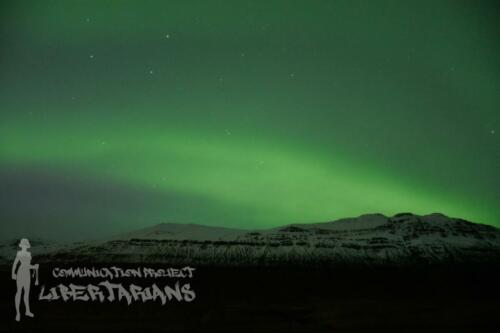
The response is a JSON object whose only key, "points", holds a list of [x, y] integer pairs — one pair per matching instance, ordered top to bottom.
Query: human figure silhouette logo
{"points": [[23, 277]]}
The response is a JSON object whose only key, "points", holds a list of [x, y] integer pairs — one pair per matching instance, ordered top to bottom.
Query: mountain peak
{"points": [[404, 238]]}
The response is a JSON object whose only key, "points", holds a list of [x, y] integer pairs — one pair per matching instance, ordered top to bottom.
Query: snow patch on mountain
{"points": [[374, 239]]}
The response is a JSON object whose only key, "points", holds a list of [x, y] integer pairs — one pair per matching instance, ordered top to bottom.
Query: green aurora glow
{"points": [[119, 115]]}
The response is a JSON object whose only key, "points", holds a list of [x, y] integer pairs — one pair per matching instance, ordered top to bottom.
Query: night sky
{"points": [[116, 115]]}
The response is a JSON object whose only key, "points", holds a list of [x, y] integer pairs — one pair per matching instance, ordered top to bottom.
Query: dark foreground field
{"points": [[285, 300]]}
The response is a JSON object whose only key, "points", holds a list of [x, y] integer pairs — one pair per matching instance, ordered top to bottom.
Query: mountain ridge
{"points": [[359, 222], [369, 239]]}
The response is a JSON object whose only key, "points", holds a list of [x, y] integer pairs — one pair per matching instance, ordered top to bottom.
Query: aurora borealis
{"points": [[117, 115]]}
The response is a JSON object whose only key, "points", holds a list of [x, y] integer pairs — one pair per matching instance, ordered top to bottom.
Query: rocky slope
{"points": [[404, 239]]}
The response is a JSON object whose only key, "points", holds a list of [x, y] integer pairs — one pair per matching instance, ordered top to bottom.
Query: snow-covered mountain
{"points": [[177, 231], [403, 239]]}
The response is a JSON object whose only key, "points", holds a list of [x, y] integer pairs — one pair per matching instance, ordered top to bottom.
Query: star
{"points": [[167, 36], [91, 56], [151, 72], [292, 75], [227, 132], [492, 132]]}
